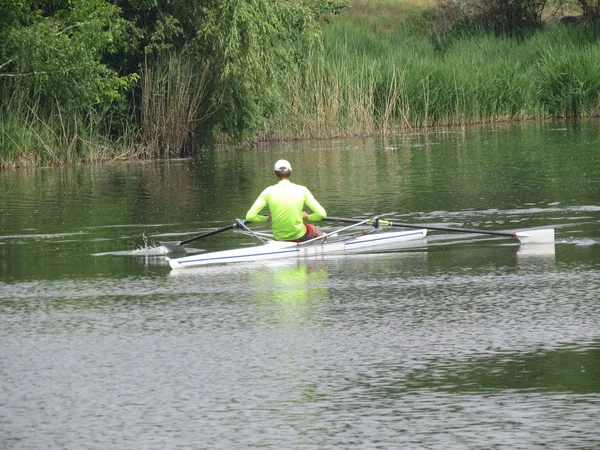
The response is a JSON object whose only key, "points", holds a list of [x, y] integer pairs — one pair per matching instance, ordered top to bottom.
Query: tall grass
{"points": [[385, 15], [367, 82], [174, 88], [35, 133]]}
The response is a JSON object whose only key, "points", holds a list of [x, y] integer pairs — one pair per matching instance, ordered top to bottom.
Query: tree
{"points": [[248, 45], [55, 50], [85, 54]]}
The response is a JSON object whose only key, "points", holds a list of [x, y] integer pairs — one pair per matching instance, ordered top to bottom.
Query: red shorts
{"points": [[310, 233]]}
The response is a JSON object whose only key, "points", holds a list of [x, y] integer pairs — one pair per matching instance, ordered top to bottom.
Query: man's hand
{"points": [[304, 215]]}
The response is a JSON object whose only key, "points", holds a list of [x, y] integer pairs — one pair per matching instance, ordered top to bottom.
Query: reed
{"points": [[366, 81], [173, 88], [32, 134], [29, 137]]}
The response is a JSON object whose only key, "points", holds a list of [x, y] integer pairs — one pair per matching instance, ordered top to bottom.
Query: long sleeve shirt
{"points": [[286, 201]]}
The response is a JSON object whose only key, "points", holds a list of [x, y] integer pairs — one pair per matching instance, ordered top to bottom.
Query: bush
{"points": [[591, 13], [501, 17]]}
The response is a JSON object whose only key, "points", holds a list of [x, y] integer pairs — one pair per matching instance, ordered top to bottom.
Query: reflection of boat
{"points": [[331, 244]]}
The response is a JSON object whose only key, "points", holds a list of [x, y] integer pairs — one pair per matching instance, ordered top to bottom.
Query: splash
{"points": [[146, 249]]}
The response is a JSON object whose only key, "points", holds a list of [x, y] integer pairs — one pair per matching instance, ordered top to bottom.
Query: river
{"points": [[464, 341]]}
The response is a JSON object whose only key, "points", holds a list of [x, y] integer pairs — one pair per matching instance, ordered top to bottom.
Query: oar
{"points": [[526, 237], [178, 246]]}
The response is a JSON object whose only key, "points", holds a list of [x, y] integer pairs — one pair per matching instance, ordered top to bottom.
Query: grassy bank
{"points": [[378, 71], [367, 81], [36, 134]]}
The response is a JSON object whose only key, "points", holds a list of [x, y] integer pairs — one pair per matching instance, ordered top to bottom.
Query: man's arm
{"points": [[318, 212], [253, 214]]}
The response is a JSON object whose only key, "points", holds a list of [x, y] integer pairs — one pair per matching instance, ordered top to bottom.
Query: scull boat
{"points": [[337, 242], [330, 244]]}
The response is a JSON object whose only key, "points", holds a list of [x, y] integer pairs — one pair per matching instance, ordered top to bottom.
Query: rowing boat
{"points": [[345, 240], [331, 244]]}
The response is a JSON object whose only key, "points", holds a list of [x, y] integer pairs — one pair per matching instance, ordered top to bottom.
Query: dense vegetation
{"points": [[96, 80]]}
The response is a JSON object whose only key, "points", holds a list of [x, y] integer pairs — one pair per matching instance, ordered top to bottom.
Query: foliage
{"points": [[323, 9], [590, 9], [501, 17], [247, 44], [56, 54], [77, 55], [163, 75], [56, 91]]}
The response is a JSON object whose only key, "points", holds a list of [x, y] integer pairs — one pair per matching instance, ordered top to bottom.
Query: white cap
{"points": [[282, 166]]}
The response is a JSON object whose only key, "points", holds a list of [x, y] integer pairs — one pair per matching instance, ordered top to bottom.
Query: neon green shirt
{"points": [[286, 201]]}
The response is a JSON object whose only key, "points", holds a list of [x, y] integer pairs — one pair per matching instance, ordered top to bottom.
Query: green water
{"points": [[467, 341]]}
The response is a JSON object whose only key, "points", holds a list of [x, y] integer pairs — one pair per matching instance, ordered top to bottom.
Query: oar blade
{"points": [[545, 236], [174, 247]]}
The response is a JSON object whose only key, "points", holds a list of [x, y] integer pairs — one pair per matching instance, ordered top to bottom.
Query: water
{"points": [[467, 341]]}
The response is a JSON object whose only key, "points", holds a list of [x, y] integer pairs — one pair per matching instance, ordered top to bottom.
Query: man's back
{"points": [[286, 201]]}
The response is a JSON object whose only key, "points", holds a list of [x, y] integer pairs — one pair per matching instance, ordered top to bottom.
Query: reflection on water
{"points": [[537, 253], [289, 284], [467, 342], [463, 344]]}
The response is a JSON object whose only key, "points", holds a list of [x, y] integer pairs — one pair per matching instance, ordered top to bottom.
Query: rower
{"points": [[286, 202]]}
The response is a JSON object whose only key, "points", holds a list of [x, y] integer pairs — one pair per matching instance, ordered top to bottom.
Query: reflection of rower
{"points": [[291, 288]]}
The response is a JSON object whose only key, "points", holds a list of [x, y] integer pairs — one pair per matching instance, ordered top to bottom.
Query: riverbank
{"points": [[378, 71], [375, 78]]}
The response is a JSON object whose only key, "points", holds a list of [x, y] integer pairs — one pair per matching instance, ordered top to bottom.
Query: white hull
{"points": [[281, 250]]}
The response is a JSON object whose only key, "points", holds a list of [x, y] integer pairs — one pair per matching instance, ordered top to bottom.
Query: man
{"points": [[286, 202]]}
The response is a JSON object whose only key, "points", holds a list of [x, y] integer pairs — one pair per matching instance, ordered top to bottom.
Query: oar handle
{"points": [[387, 223]]}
